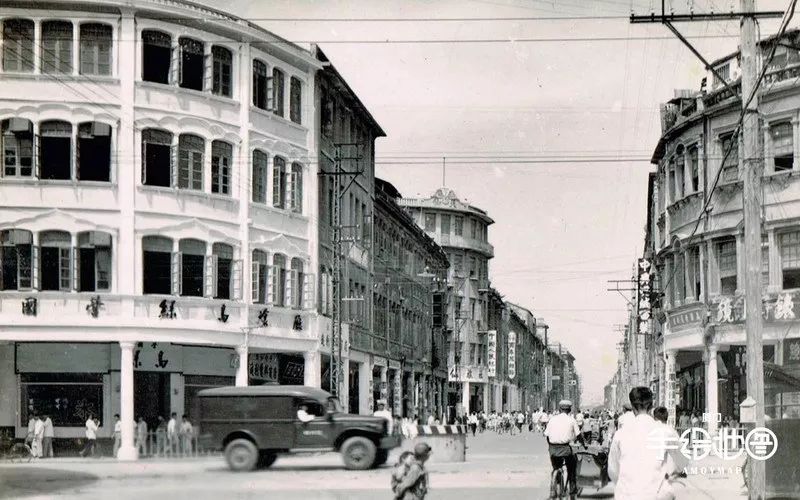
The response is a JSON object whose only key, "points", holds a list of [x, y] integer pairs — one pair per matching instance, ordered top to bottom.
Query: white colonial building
{"points": [[157, 201]]}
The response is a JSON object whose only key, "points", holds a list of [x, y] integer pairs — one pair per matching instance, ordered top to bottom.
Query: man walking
{"points": [[385, 414], [561, 431], [49, 434], [117, 434], [38, 437], [91, 437], [636, 463], [414, 484]]}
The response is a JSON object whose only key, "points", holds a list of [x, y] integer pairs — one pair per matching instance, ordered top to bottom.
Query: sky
{"points": [[581, 116]]}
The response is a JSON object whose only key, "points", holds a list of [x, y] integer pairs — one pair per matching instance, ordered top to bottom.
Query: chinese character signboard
{"points": [[644, 287], [791, 352], [512, 354], [491, 358], [264, 367]]}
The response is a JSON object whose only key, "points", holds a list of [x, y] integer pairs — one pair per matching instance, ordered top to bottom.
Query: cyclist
{"points": [[561, 430]]}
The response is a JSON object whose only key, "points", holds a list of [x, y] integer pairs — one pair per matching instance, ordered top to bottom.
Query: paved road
{"points": [[498, 468]]}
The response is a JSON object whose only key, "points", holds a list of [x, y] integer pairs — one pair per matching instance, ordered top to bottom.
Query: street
{"points": [[498, 466]]}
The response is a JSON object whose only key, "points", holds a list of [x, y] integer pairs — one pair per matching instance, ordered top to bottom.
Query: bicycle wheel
{"points": [[20, 453], [557, 484]]}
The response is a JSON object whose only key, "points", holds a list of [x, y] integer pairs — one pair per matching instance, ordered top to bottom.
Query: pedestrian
{"points": [[473, 423], [31, 427], [172, 433], [49, 434], [117, 434], [187, 434], [38, 437], [91, 437], [141, 437], [161, 437], [634, 464], [414, 483]]}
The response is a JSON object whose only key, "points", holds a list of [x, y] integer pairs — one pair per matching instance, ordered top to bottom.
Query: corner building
{"points": [[157, 208], [462, 231]]}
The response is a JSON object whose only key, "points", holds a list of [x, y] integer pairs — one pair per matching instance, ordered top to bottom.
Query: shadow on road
{"points": [[16, 482]]}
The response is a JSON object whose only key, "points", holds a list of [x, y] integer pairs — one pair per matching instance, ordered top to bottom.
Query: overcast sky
{"points": [[562, 229]]}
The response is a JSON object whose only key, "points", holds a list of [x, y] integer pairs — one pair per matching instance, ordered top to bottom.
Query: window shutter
{"points": [[175, 66], [208, 72], [254, 90], [270, 96], [76, 139], [37, 155], [144, 162], [173, 164], [276, 186], [297, 191], [289, 197], [64, 269], [76, 269], [34, 270], [177, 273], [211, 276], [291, 278], [236, 280], [272, 282], [255, 285], [308, 291]]}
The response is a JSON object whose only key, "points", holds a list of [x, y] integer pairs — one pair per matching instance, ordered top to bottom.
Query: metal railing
{"points": [[160, 445]]}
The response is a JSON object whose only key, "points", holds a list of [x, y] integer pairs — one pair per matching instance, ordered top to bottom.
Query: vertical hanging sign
{"points": [[644, 287], [512, 354], [491, 357]]}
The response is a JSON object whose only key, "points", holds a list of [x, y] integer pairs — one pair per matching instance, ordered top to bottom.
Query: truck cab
{"points": [[254, 425]]}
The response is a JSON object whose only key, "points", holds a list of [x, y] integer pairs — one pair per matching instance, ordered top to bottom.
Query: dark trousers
{"points": [[88, 448], [572, 466]]}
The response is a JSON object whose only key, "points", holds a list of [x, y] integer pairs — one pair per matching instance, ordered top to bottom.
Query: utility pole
{"points": [[753, 171], [751, 176]]}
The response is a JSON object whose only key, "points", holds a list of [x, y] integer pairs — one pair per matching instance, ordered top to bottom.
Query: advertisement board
{"points": [[512, 355], [491, 356]]}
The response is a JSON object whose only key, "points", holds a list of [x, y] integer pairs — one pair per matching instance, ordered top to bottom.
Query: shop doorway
{"points": [[353, 389], [151, 397]]}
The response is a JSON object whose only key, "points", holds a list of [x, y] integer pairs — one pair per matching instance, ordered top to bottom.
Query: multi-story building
{"points": [[158, 203], [462, 230], [695, 237], [410, 273], [530, 349]]}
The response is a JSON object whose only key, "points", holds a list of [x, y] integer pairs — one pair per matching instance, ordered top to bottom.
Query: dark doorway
{"points": [[353, 388], [151, 397]]}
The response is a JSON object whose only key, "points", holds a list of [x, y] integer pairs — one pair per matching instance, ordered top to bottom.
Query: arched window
{"points": [[18, 45], [95, 47], [56, 53], [156, 56], [192, 63], [222, 71], [278, 82], [261, 85], [295, 100], [17, 147], [55, 150], [93, 152], [157, 155], [221, 160], [190, 162], [260, 168], [279, 182], [296, 202], [16, 254], [192, 258], [56, 260], [93, 262], [223, 270], [260, 272], [158, 273], [279, 280], [297, 283]]}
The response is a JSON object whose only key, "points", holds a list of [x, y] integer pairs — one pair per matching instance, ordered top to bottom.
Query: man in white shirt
{"points": [[385, 414], [303, 415], [561, 430], [117, 433], [172, 433], [49, 434], [38, 437], [91, 437], [637, 459]]}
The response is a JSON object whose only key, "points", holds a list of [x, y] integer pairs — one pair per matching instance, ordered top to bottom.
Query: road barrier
{"points": [[448, 442]]}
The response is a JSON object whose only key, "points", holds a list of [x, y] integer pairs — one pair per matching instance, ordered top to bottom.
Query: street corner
{"points": [[30, 480]]}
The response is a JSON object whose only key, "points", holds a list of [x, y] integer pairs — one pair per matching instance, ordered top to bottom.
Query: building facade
{"points": [[158, 205], [462, 230], [698, 330]]}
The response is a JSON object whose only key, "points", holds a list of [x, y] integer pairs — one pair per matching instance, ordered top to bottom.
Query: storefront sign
{"points": [[644, 288], [688, 317], [791, 352], [512, 354], [157, 357], [491, 357], [264, 367], [468, 374], [398, 391]]}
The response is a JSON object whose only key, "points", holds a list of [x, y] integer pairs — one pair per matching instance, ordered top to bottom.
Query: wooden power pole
{"points": [[753, 171]]}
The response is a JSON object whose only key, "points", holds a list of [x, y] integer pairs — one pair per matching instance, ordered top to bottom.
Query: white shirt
{"points": [[386, 414], [303, 416], [625, 418], [431, 420], [118, 427], [171, 427], [48, 428], [38, 429], [91, 429], [562, 429], [636, 462]]}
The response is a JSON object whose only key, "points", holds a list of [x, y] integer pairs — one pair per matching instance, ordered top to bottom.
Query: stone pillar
{"points": [[774, 262], [127, 275], [242, 369], [311, 371], [385, 386], [365, 388], [465, 397], [712, 398], [127, 450]]}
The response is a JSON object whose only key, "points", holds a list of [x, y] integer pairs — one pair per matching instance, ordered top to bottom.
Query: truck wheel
{"points": [[358, 453], [241, 455], [381, 456], [265, 459]]}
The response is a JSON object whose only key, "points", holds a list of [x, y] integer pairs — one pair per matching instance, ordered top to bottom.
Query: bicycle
{"points": [[17, 452], [558, 483]]}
